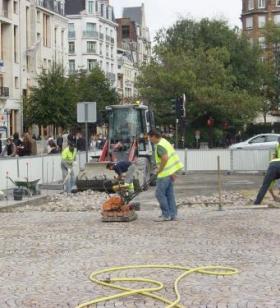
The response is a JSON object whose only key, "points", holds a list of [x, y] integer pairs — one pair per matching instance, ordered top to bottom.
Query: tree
{"points": [[215, 66], [95, 87], [52, 101]]}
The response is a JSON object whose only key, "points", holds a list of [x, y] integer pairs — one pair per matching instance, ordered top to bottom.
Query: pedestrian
{"points": [[59, 142], [80, 142], [1, 144], [26, 144], [33, 145], [10, 149], [53, 149], [68, 156], [168, 163], [272, 173]]}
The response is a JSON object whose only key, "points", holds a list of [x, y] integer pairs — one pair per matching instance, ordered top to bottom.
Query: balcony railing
{"points": [[52, 5], [90, 34], [71, 35], [91, 51], [4, 91]]}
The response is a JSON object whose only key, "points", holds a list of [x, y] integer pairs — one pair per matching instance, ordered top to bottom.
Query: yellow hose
{"points": [[157, 286]]}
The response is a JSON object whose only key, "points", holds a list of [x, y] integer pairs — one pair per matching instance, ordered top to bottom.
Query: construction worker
{"points": [[276, 154], [68, 157], [168, 163], [123, 167], [273, 173]]}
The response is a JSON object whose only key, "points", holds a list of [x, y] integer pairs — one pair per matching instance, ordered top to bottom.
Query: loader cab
{"points": [[127, 124]]}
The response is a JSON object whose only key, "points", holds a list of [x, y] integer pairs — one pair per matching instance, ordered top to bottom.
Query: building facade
{"points": [[255, 15], [33, 36], [92, 37], [134, 49]]}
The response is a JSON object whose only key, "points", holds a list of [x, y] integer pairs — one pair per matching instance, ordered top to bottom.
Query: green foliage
{"points": [[216, 67], [54, 99]]}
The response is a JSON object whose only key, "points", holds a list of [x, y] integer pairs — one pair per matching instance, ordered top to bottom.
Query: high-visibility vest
{"points": [[277, 151], [68, 156], [173, 164]]}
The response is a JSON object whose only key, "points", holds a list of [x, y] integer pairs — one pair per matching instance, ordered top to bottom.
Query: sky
{"points": [[163, 13]]}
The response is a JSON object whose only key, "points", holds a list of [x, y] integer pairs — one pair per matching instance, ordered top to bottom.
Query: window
{"points": [[277, 3], [261, 4], [250, 5], [15, 7], [90, 7], [38, 17], [277, 19], [261, 21], [249, 22], [71, 27], [46, 30], [125, 32], [262, 42], [91, 47], [71, 48], [100, 49], [91, 64], [71, 66], [16, 82], [271, 138], [258, 139]]}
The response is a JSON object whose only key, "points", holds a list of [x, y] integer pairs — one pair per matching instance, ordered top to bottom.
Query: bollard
{"points": [[219, 183], [7, 186]]}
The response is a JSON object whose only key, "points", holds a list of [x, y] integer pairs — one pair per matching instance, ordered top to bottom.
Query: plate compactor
{"points": [[120, 207]]}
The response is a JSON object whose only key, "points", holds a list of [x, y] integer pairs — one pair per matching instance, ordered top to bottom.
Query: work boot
{"points": [[162, 219]]}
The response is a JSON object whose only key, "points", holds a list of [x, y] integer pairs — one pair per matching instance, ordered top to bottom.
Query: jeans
{"points": [[273, 173], [70, 182], [166, 198]]}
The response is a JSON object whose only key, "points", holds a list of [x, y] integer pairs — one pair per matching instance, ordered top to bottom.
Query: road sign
{"points": [[86, 112]]}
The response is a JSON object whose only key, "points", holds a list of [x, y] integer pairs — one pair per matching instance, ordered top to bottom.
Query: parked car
{"points": [[258, 142]]}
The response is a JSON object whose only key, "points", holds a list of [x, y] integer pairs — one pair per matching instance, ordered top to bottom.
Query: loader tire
{"points": [[143, 170]]}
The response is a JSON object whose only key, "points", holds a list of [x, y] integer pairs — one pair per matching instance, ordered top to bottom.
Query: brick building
{"points": [[255, 15]]}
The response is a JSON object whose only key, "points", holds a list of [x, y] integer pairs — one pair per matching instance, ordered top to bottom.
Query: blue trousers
{"points": [[273, 173], [166, 197]]}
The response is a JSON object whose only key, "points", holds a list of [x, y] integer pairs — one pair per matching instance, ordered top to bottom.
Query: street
{"points": [[47, 257]]}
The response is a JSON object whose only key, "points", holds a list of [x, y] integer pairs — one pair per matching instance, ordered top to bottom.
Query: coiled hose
{"points": [[157, 285]]}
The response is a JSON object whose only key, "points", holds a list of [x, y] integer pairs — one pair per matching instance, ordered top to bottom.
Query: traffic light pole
{"points": [[176, 131]]}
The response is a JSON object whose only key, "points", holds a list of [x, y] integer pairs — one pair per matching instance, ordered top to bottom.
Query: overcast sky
{"points": [[163, 13]]}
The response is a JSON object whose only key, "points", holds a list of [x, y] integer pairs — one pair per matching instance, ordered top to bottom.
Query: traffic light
{"points": [[173, 105], [181, 106]]}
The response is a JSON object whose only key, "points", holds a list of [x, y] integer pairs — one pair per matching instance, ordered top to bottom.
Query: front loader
{"points": [[127, 140]]}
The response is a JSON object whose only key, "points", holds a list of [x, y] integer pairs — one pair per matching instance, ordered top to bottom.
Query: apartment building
{"points": [[255, 15], [33, 36], [92, 37], [134, 49]]}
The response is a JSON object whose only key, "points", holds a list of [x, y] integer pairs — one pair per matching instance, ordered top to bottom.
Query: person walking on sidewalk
{"points": [[168, 163], [272, 173]]}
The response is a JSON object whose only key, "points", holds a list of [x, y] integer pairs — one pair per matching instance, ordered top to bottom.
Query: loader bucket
{"points": [[95, 176]]}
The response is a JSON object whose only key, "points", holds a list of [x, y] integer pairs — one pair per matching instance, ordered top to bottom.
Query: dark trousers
{"points": [[273, 173]]}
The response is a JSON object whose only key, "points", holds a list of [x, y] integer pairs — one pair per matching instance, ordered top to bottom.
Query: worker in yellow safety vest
{"points": [[276, 154], [68, 156], [168, 163]]}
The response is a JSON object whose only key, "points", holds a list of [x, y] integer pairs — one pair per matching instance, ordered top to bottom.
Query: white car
{"points": [[258, 142]]}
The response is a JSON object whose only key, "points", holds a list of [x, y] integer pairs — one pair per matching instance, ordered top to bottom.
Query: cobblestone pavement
{"points": [[46, 257]]}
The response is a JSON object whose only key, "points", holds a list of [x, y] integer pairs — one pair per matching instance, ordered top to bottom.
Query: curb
{"points": [[35, 201]]}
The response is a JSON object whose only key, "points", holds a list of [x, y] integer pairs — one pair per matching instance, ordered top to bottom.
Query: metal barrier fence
{"points": [[47, 167]]}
